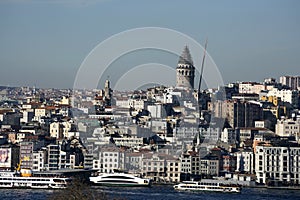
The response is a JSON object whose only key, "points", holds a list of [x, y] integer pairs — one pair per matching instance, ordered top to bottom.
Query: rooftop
{"points": [[185, 57]]}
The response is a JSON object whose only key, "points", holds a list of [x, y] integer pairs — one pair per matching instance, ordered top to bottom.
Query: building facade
{"points": [[292, 81], [287, 128], [245, 161], [277, 165]]}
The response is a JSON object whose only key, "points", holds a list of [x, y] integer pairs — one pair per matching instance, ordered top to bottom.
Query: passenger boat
{"points": [[119, 179], [15, 180], [211, 186]]}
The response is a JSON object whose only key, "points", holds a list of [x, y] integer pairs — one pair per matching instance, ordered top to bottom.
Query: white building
{"points": [[292, 81], [251, 87], [290, 96], [168, 98], [64, 101], [122, 103], [137, 104], [157, 111], [27, 115], [262, 124], [159, 126], [287, 128], [60, 129], [211, 134], [185, 135], [229, 135], [135, 142], [56, 157], [110, 159], [39, 160], [88, 161], [245, 161], [133, 162], [190, 163], [277, 164], [153, 166], [210, 166], [161, 167], [173, 170]]}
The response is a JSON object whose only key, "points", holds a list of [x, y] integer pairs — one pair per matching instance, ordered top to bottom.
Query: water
{"points": [[159, 193]]}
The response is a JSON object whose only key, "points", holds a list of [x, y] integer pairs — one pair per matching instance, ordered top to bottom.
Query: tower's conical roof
{"points": [[185, 57]]}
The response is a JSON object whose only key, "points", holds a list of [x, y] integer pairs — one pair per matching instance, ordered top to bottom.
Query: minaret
{"points": [[185, 70]]}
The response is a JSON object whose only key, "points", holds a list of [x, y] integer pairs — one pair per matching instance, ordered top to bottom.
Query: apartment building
{"points": [[277, 165]]}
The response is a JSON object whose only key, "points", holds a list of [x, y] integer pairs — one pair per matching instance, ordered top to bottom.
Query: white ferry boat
{"points": [[119, 179], [15, 180], [207, 186]]}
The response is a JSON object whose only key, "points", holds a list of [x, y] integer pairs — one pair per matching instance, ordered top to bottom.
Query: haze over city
{"points": [[43, 43]]}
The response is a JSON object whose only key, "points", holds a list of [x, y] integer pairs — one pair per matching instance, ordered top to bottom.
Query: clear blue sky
{"points": [[43, 42]]}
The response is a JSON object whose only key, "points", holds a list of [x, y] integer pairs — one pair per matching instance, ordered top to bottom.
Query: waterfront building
{"points": [[26, 151], [56, 158], [110, 159], [39, 160], [88, 161], [133, 161], [245, 161], [229, 163], [190, 165], [210, 165], [275, 165], [154, 166], [173, 169]]}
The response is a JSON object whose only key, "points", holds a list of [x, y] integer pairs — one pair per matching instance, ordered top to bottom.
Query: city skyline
{"points": [[44, 43]]}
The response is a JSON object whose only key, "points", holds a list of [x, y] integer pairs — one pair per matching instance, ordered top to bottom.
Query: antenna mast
{"points": [[200, 81]]}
